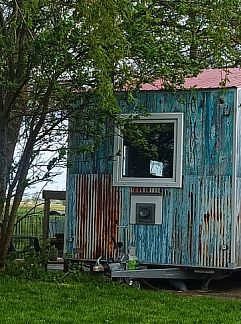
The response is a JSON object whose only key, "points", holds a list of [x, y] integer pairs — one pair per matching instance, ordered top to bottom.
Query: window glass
{"points": [[148, 152], [150, 155]]}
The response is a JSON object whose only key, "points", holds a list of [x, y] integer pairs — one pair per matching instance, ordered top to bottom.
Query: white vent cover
{"points": [[146, 209]]}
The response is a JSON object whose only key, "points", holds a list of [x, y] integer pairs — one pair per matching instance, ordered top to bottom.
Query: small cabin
{"points": [[179, 205]]}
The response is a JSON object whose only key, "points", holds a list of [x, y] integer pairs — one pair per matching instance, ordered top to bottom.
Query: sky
{"points": [[58, 183]]}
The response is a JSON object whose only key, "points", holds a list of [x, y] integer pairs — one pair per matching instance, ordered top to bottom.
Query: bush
{"points": [[34, 267]]}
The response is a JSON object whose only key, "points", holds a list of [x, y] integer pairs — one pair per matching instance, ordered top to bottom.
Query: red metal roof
{"points": [[207, 79]]}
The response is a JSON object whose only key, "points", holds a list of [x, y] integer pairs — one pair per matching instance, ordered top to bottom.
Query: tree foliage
{"points": [[173, 39], [45, 44], [59, 57]]}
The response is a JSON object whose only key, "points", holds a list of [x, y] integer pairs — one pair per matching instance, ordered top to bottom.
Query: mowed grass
{"points": [[95, 301]]}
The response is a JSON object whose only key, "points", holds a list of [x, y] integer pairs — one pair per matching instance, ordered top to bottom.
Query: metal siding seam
{"points": [[238, 187], [234, 188], [120, 199], [225, 199], [114, 202], [87, 208], [228, 208], [114, 209], [83, 211], [209, 211], [224, 212], [71, 213], [78, 213], [86, 213], [103, 213], [81, 214], [90, 214], [94, 214], [227, 214], [77, 216], [108, 217], [219, 219], [97, 220], [212, 220], [216, 222], [66, 223], [238, 226], [205, 228], [166, 229], [98, 230], [99, 233], [195, 259]]}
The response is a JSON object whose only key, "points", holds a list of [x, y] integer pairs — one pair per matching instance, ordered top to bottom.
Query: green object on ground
{"points": [[133, 264]]}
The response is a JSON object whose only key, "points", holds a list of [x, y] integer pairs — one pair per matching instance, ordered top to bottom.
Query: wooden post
{"points": [[47, 196], [46, 219]]}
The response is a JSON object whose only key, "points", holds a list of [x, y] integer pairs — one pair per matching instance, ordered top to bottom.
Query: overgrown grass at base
{"points": [[87, 299]]}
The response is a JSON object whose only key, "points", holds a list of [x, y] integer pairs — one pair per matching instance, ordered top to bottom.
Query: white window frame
{"points": [[176, 180]]}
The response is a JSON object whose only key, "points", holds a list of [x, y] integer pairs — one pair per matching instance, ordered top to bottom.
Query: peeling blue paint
{"points": [[197, 218]]}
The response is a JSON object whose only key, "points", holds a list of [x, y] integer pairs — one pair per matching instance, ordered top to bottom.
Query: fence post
{"points": [[46, 219]]}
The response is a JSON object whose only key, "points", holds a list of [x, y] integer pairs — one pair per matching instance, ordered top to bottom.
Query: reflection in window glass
{"points": [[151, 154], [156, 168]]}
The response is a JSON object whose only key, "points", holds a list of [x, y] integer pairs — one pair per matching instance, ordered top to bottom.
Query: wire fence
{"points": [[30, 226], [33, 226]]}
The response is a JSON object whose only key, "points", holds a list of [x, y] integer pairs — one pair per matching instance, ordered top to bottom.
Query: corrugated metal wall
{"points": [[238, 186], [97, 216], [197, 218], [195, 227]]}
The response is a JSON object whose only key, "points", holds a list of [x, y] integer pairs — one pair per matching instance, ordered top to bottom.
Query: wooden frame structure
{"points": [[48, 195]]}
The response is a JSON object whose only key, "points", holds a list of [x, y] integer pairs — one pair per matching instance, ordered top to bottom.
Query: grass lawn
{"points": [[96, 301]]}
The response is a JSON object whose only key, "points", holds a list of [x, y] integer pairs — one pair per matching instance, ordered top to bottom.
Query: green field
{"points": [[32, 218], [95, 301]]}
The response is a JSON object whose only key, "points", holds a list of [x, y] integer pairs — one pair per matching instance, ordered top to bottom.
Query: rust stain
{"points": [[98, 213]]}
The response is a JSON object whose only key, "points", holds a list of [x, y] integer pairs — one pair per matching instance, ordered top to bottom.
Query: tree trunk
{"points": [[3, 166], [3, 187], [5, 242]]}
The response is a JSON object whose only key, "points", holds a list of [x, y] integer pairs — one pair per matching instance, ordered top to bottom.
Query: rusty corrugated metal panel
{"points": [[146, 190], [98, 213], [71, 215], [197, 218], [215, 222], [196, 225]]}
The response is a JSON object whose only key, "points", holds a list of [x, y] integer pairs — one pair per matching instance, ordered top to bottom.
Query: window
{"points": [[150, 155]]}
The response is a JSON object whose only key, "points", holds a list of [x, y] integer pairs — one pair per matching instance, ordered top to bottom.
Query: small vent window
{"points": [[146, 209], [145, 213]]}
